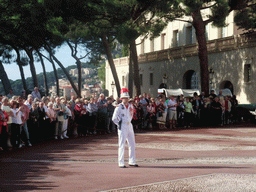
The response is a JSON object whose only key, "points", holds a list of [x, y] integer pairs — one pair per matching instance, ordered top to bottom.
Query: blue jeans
{"points": [[25, 129]]}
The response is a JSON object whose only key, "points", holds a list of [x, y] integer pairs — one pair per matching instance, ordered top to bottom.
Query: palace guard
{"points": [[122, 117]]}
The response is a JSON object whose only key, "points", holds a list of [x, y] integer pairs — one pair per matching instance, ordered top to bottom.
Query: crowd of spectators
{"points": [[177, 111], [25, 119]]}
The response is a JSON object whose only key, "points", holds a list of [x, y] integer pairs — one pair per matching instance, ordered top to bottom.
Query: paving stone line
{"points": [[198, 136], [191, 147], [165, 161]]}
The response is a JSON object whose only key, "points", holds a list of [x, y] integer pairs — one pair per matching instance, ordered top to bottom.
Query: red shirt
{"points": [[226, 105], [3, 123]]}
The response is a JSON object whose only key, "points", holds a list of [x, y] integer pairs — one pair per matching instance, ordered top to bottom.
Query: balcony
{"points": [[213, 46]]}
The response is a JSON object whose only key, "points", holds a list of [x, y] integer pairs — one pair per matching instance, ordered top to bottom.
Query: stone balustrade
{"points": [[217, 45], [213, 46]]}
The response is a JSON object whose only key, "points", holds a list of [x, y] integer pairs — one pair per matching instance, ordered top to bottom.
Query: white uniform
{"points": [[126, 132]]}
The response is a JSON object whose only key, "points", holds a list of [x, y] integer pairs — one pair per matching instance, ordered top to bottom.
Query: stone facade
{"points": [[178, 33], [232, 59], [172, 60], [84, 72]]}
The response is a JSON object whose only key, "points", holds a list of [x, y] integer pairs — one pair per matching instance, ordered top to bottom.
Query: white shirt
{"points": [[36, 95], [143, 101], [171, 103], [28, 104], [7, 109], [68, 111], [123, 113], [16, 117]]}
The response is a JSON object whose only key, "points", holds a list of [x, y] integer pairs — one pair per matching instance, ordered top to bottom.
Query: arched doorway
{"points": [[190, 80], [227, 85]]}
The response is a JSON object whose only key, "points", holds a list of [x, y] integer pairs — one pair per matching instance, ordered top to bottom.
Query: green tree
{"points": [[219, 10], [99, 16], [245, 16], [140, 20], [79, 36], [5, 58], [50, 59], [44, 72]]}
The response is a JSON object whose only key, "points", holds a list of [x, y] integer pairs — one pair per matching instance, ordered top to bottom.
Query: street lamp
{"points": [[165, 78], [113, 87]]}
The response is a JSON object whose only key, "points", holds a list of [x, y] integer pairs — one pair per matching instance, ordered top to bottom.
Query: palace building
{"points": [[171, 61]]}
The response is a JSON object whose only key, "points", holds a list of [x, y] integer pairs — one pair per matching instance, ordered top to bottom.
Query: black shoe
{"points": [[135, 165], [122, 166]]}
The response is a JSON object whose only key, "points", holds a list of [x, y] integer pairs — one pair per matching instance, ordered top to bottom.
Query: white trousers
{"points": [[64, 128], [126, 133]]}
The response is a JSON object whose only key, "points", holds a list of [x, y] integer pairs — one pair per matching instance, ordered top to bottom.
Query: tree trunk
{"points": [[199, 26], [111, 62], [79, 64], [32, 66], [21, 70], [64, 70], [44, 72], [55, 72], [136, 74], [56, 76], [4, 78], [23, 78], [130, 83]]}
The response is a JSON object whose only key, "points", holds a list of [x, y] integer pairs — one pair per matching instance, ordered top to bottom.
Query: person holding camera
{"points": [[60, 109], [161, 114]]}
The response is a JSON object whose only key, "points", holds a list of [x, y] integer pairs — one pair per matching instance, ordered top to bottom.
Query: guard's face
{"points": [[125, 100]]}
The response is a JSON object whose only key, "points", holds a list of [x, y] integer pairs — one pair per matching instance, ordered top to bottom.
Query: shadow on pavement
{"points": [[23, 169]]}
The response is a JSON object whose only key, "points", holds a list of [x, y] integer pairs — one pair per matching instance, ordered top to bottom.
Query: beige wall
{"points": [[182, 27], [228, 66], [122, 68]]}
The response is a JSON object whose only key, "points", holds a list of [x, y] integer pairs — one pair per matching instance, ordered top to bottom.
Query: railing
{"points": [[217, 45]]}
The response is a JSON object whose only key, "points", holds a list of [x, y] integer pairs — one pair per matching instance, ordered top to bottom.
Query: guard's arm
{"points": [[116, 117]]}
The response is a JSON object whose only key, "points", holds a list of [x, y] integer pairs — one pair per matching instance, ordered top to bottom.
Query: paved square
{"points": [[206, 159]]}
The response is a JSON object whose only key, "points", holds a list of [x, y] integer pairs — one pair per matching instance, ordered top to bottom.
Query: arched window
{"points": [[190, 80], [194, 81], [227, 85]]}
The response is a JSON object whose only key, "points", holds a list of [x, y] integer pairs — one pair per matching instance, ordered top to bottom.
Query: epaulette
{"points": [[120, 105]]}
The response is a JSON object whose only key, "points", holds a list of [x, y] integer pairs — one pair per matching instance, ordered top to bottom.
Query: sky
{"points": [[63, 54]]}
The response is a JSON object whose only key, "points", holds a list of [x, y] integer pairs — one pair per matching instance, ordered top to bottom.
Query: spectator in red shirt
{"points": [[3, 128]]}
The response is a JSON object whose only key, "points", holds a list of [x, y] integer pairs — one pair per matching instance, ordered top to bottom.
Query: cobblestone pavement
{"points": [[209, 159], [209, 183]]}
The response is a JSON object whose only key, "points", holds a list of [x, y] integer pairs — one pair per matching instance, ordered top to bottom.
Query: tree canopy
{"points": [[96, 25]]}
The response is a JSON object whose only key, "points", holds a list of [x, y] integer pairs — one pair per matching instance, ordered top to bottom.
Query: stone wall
{"points": [[227, 58]]}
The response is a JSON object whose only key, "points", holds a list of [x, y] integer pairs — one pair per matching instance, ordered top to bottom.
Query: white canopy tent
{"points": [[177, 92], [190, 92], [225, 92]]}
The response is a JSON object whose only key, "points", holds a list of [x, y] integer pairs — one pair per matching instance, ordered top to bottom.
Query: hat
{"points": [[124, 93]]}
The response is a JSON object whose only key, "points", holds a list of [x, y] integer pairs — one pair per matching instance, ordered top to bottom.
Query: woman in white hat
{"points": [[122, 117]]}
